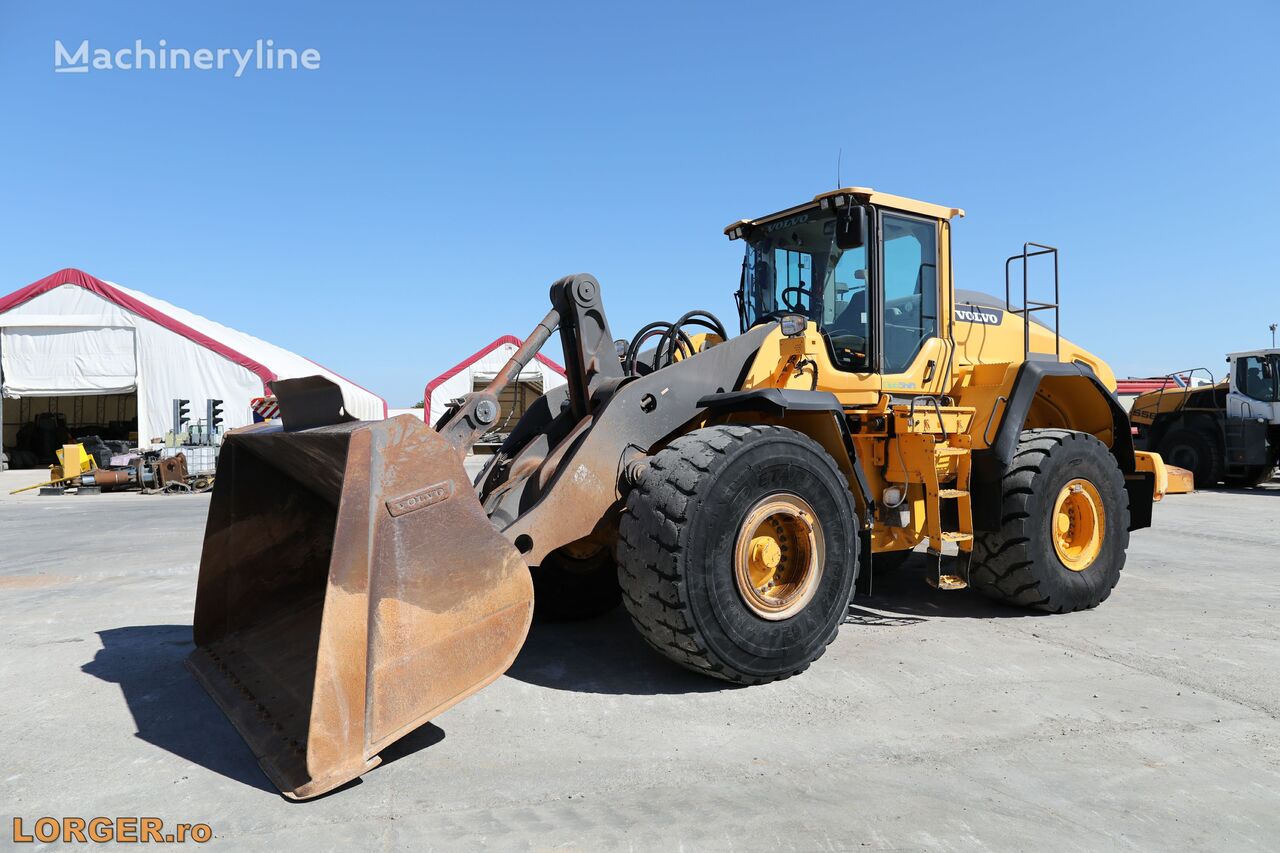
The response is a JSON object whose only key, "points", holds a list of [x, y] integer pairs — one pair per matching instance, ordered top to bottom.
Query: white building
{"points": [[108, 358], [473, 373]]}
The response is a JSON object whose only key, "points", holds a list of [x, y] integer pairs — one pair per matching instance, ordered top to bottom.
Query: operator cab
{"points": [[861, 265], [1254, 387]]}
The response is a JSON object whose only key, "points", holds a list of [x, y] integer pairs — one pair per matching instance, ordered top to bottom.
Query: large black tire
{"points": [[1195, 450], [676, 551], [1018, 564], [566, 588]]}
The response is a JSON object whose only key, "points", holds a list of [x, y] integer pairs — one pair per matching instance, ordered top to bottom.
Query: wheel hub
{"points": [[1078, 524], [779, 556]]}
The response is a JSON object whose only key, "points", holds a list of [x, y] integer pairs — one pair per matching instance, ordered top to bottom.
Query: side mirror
{"points": [[851, 231]]}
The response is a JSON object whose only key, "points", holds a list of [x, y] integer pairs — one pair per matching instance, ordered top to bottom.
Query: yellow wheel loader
{"points": [[729, 490]]}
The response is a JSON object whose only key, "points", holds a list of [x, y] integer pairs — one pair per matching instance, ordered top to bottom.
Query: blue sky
{"points": [[412, 199]]}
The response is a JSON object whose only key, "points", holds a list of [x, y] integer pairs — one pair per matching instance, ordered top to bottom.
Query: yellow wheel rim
{"points": [[1079, 525], [779, 556]]}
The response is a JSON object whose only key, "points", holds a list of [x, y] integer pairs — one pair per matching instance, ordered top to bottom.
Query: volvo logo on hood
{"points": [[979, 314]]}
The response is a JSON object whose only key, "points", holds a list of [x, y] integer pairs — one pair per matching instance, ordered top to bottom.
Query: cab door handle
{"points": [[928, 371]]}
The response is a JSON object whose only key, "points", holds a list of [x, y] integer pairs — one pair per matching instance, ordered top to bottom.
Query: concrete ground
{"points": [[936, 721]]}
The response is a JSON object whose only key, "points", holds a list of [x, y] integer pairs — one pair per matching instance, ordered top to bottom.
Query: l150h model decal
{"points": [[979, 314]]}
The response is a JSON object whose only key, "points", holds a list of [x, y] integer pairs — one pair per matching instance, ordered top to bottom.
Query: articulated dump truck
{"points": [[732, 492]]}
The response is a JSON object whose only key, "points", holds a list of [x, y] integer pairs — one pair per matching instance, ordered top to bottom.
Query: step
{"points": [[948, 450], [953, 493], [956, 536], [954, 576], [950, 582]]}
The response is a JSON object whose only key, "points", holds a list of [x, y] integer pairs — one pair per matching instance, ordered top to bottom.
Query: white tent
{"points": [[71, 335], [540, 375]]}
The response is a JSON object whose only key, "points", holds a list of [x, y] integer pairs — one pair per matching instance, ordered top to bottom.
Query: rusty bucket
{"points": [[351, 588]]}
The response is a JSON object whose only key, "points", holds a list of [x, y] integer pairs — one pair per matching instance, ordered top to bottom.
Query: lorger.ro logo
{"points": [[980, 315], [421, 499]]}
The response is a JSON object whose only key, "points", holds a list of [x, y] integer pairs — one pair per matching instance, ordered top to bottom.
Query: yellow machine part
{"points": [[74, 458], [1152, 463], [1170, 479], [1181, 481]]}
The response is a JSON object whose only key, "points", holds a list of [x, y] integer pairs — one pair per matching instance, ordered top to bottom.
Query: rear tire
{"points": [[1196, 451], [690, 520], [1028, 561], [566, 588]]}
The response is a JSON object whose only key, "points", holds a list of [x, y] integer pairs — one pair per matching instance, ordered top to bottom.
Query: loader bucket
{"points": [[351, 588]]}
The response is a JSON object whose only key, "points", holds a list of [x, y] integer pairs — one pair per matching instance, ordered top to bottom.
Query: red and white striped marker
{"points": [[264, 408]]}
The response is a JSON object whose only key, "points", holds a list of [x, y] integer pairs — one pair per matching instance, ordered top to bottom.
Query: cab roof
{"points": [[849, 196]]}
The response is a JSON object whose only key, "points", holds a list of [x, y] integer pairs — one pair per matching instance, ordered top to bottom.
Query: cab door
{"points": [[911, 351]]}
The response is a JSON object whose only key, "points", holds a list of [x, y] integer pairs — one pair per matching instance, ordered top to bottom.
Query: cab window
{"points": [[910, 264], [800, 267], [845, 310], [1256, 378]]}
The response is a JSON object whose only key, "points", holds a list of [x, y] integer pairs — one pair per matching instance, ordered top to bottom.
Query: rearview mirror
{"points": [[851, 232]]}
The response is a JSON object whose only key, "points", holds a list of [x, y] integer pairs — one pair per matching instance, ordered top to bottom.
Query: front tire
{"points": [[1064, 525], [737, 552]]}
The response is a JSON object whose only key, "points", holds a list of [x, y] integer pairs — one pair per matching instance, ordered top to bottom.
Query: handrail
{"points": [[1026, 310], [1186, 389], [991, 418]]}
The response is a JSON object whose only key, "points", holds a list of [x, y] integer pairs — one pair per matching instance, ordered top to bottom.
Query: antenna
{"points": [[840, 154]]}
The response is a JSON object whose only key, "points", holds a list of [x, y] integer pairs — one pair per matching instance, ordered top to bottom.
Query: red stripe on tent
{"points": [[101, 288], [471, 359], [1142, 386]]}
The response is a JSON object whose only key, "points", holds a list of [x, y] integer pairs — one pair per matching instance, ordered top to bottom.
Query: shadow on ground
{"points": [[1264, 489], [903, 596], [602, 655], [606, 655], [172, 711]]}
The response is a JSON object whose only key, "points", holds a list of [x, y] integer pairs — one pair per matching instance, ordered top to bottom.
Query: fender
{"points": [[773, 401], [797, 405], [989, 464]]}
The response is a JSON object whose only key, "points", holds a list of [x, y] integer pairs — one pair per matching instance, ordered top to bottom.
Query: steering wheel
{"points": [[800, 290], [850, 348]]}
